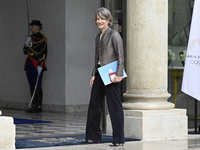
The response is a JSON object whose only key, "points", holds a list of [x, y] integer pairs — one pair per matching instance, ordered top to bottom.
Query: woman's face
{"points": [[102, 23]]}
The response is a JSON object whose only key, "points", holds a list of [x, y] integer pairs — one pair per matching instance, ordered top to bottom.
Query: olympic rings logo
{"points": [[195, 62]]}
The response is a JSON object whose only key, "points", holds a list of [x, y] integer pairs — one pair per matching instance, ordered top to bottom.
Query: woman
{"points": [[108, 48]]}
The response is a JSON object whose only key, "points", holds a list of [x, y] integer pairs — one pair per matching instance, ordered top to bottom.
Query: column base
{"points": [[146, 101], [148, 106], [153, 124], [7, 136]]}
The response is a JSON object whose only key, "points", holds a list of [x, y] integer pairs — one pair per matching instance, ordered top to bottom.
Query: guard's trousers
{"points": [[31, 73], [113, 96]]}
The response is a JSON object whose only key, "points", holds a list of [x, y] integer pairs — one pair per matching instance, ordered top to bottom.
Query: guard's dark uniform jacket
{"points": [[38, 52]]}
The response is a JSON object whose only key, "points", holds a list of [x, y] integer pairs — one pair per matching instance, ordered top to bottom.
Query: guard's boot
{"points": [[38, 99], [33, 102]]}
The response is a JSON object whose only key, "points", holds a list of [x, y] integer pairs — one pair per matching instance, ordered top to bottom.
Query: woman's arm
{"points": [[118, 47]]}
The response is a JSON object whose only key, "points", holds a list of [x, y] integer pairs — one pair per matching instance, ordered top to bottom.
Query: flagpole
{"points": [[195, 112], [195, 119]]}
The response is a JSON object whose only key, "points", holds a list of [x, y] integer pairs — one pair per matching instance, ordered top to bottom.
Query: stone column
{"points": [[147, 55], [147, 114], [7, 136]]}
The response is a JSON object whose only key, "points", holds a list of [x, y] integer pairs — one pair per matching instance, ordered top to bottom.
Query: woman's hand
{"points": [[117, 79], [92, 80]]}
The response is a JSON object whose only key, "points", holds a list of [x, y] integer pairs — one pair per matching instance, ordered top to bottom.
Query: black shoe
{"points": [[34, 109], [29, 110], [37, 110], [90, 141], [116, 144]]}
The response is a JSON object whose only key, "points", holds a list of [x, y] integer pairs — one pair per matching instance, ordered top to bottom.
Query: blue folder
{"points": [[108, 71]]}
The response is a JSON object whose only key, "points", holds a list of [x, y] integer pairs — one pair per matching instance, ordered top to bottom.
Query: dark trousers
{"points": [[31, 73], [113, 95]]}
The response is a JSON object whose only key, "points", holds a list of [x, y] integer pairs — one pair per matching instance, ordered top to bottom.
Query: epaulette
{"points": [[44, 36]]}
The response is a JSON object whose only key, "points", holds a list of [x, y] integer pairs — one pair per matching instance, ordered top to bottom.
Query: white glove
{"points": [[28, 42], [39, 69]]}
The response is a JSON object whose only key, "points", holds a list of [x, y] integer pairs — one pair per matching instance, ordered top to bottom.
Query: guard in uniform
{"points": [[35, 48]]}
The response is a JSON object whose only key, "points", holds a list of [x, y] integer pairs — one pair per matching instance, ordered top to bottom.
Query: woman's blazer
{"points": [[109, 49]]}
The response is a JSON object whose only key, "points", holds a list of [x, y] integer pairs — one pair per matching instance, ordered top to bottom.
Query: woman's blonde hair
{"points": [[105, 14]]}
